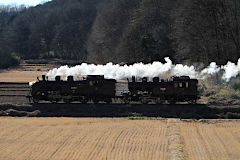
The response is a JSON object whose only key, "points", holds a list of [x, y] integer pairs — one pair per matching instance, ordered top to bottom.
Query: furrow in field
{"points": [[24, 137], [120, 139], [211, 141], [193, 142], [229, 142], [114, 143], [100, 144], [118, 150]]}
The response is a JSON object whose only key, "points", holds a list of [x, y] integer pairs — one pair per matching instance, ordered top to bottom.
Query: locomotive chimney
{"points": [[44, 77], [58, 78], [70, 78], [133, 79], [156, 79]]}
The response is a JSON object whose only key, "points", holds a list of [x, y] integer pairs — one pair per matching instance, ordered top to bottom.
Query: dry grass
{"points": [[24, 73], [19, 76], [83, 138], [101, 138], [213, 140]]}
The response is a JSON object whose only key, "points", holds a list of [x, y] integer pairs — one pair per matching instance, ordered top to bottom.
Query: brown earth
{"points": [[24, 73], [68, 138], [114, 138], [211, 139]]}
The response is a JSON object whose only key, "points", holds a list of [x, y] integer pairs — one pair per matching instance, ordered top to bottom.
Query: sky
{"points": [[25, 2]]}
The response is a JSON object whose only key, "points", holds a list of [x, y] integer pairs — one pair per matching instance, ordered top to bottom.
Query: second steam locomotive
{"points": [[96, 89]]}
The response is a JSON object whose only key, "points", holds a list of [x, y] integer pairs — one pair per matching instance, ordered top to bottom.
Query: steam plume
{"points": [[154, 69], [231, 70]]}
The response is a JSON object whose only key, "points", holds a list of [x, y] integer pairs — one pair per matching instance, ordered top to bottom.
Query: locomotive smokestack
{"points": [[44, 77], [58, 78], [70, 78], [133, 79], [156, 79]]}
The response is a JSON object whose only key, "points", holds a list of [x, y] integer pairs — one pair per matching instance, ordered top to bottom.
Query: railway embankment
{"points": [[182, 111]]}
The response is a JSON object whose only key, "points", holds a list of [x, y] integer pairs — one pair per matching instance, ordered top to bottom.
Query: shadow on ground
{"points": [[185, 111]]}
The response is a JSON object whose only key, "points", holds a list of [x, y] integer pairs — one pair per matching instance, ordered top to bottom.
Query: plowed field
{"points": [[24, 72], [66, 138], [102, 138], [212, 140]]}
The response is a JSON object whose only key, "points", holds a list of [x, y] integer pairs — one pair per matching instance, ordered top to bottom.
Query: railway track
{"points": [[13, 97]]}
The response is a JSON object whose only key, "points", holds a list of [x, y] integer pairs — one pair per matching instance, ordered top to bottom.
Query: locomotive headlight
{"points": [[32, 83]]}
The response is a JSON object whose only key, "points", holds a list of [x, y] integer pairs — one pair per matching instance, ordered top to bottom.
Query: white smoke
{"points": [[140, 70], [210, 70], [231, 70]]}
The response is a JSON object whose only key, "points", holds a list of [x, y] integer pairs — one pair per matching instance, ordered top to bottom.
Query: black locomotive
{"points": [[96, 88], [177, 89]]}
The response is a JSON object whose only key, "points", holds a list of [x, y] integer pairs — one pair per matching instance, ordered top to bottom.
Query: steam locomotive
{"points": [[96, 89]]}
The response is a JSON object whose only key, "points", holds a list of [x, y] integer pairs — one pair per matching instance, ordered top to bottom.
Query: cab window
{"points": [[90, 83], [175, 85], [180, 85]]}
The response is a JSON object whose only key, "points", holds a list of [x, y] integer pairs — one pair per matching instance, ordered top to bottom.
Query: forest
{"points": [[101, 31]]}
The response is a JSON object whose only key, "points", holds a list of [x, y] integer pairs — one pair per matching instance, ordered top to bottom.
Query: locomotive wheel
{"points": [[35, 100], [54, 100], [67, 100], [126, 100], [84, 101], [95, 101], [108, 101], [144, 101], [159, 101], [193, 101], [172, 102]]}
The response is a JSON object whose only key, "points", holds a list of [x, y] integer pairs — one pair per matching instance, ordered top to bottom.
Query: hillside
{"points": [[100, 31]]}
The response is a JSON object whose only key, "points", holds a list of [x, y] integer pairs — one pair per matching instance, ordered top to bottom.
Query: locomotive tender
{"points": [[96, 88]]}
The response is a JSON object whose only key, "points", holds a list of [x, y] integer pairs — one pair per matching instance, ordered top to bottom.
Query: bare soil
{"points": [[24, 73], [68, 138], [114, 138], [211, 139]]}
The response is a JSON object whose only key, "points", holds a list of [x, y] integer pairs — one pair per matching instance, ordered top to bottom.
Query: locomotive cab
{"points": [[185, 89]]}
